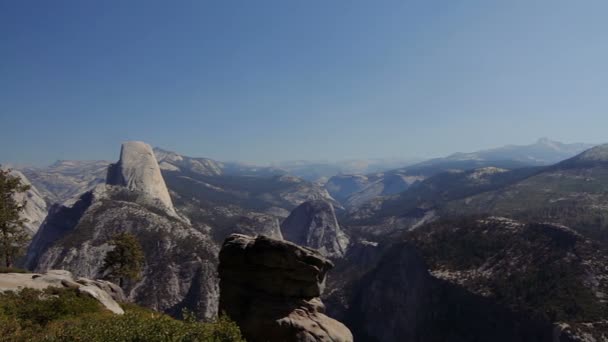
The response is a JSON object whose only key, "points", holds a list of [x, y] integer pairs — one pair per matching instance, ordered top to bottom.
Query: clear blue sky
{"points": [[277, 80]]}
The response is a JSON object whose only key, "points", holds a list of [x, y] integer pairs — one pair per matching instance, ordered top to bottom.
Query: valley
{"points": [[440, 244]]}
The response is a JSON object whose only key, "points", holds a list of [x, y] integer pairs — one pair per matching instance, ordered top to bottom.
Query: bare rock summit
{"points": [[138, 171], [313, 224], [271, 289]]}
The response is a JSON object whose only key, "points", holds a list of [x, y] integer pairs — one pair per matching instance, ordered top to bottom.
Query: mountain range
{"points": [[357, 189], [457, 248]]}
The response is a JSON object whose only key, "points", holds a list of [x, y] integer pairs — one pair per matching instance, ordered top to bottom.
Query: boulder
{"points": [[271, 288], [105, 292]]}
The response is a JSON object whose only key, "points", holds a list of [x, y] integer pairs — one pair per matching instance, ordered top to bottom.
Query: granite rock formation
{"points": [[138, 171], [35, 208], [313, 224], [180, 260], [271, 288], [105, 292]]}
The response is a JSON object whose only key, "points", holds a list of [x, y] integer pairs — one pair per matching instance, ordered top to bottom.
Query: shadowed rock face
{"points": [[138, 170], [313, 224], [473, 279], [271, 288]]}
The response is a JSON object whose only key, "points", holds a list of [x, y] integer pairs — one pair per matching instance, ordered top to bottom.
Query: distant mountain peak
{"points": [[546, 142], [544, 151], [596, 154], [138, 170], [314, 224]]}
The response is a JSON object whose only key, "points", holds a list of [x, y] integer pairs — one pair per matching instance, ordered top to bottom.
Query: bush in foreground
{"points": [[66, 315]]}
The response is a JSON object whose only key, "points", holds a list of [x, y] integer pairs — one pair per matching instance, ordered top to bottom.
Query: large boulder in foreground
{"points": [[271, 288], [105, 292]]}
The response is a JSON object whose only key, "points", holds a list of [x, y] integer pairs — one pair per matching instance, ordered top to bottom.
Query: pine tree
{"points": [[13, 236], [125, 261]]}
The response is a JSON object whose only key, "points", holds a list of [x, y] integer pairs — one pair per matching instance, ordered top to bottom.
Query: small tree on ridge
{"points": [[13, 236], [125, 261]]}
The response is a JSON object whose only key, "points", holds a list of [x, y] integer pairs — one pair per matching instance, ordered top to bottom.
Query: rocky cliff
{"points": [[138, 171], [35, 209], [313, 224], [180, 260], [474, 279], [271, 288]]}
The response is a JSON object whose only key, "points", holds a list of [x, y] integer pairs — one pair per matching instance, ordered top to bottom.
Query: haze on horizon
{"points": [[280, 80]]}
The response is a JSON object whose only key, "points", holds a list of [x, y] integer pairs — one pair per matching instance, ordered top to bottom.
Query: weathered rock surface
{"points": [[138, 171], [35, 209], [313, 224], [180, 260], [473, 280], [271, 288], [105, 292]]}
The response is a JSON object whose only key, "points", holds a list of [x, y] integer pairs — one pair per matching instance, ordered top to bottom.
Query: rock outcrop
{"points": [[138, 171], [35, 209], [313, 224], [180, 260], [474, 279], [271, 288], [105, 292]]}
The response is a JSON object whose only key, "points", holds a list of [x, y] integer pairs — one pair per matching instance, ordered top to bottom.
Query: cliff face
{"points": [[138, 171], [35, 209], [313, 224], [180, 261], [474, 279], [271, 288], [398, 300]]}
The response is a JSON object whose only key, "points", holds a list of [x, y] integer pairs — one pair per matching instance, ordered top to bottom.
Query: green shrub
{"points": [[4, 269], [35, 307], [65, 315]]}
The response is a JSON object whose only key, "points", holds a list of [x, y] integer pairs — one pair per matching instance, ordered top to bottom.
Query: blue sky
{"points": [[264, 81]]}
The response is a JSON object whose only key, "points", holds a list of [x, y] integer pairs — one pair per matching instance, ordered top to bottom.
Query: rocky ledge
{"points": [[271, 288], [105, 292]]}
